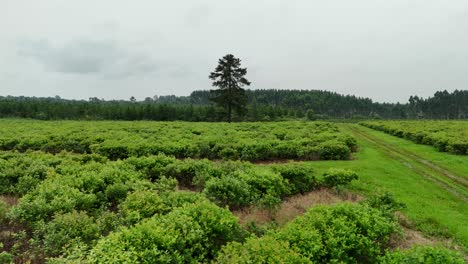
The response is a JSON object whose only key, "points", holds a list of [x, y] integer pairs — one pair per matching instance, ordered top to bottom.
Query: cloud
{"points": [[88, 57]]}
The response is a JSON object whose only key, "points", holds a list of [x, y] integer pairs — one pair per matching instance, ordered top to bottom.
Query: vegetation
{"points": [[229, 78], [262, 105], [446, 136], [120, 140], [69, 195], [325, 234], [423, 255]]}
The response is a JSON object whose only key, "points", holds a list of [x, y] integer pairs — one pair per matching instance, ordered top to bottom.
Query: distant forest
{"points": [[263, 105]]}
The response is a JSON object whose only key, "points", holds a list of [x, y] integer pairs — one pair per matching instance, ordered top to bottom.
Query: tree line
{"points": [[262, 105]]}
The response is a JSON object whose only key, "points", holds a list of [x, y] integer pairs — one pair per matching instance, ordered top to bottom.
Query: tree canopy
{"points": [[229, 78]]}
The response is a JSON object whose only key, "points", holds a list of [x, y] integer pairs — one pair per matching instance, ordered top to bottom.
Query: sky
{"points": [[386, 50]]}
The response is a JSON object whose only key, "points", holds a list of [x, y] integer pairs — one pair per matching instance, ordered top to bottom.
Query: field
{"points": [[448, 136], [120, 140], [178, 192]]}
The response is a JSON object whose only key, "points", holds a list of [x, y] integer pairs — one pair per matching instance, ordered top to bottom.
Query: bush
{"points": [[334, 151], [151, 166], [191, 173], [336, 177], [301, 178], [267, 187], [228, 190], [116, 192], [51, 197], [182, 198], [385, 203], [142, 204], [66, 229], [342, 233], [190, 234], [260, 250], [423, 255], [5, 257]]}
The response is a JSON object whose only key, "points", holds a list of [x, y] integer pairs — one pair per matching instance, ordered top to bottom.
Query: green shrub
{"points": [[330, 150], [151, 166], [190, 172], [300, 177], [336, 177], [165, 184], [266, 187], [228, 190], [116, 192], [51, 197], [182, 198], [385, 203], [142, 204], [66, 229], [341, 233], [190, 234], [266, 250], [423, 255], [5, 257]]}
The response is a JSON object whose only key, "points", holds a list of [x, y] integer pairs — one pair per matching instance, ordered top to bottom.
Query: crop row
{"points": [[446, 136], [241, 141], [61, 193], [85, 208]]}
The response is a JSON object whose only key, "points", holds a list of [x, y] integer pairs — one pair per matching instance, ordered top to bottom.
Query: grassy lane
{"points": [[456, 164], [444, 178], [435, 203]]}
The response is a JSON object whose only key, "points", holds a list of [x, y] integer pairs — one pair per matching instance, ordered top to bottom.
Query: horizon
{"points": [[159, 95]]}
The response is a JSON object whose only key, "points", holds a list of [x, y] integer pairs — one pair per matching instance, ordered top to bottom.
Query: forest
{"points": [[262, 105]]}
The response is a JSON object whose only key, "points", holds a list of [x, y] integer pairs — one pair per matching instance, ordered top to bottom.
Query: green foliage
{"points": [[229, 78], [310, 114], [446, 136], [123, 140], [334, 150], [151, 166], [190, 172], [300, 177], [337, 177], [165, 184], [87, 187], [267, 187], [228, 190], [51, 197], [385, 202], [142, 204], [66, 229], [343, 233], [347, 233], [189, 234], [266, 250], [423, 255], [5, 257]]}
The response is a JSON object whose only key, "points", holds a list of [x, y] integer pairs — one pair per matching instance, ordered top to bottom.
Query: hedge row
{"points": [[446, 136], [241, 141], [71, 200], [343, 233]]}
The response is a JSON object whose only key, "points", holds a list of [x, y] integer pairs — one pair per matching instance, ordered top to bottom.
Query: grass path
{"points": [[457, 185], [435, 195]]}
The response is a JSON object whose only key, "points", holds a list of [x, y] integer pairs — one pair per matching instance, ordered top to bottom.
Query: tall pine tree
{"points": [[229, 78]]}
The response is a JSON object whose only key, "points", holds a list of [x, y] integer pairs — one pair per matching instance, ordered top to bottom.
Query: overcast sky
{"points": [[383, 49]]}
